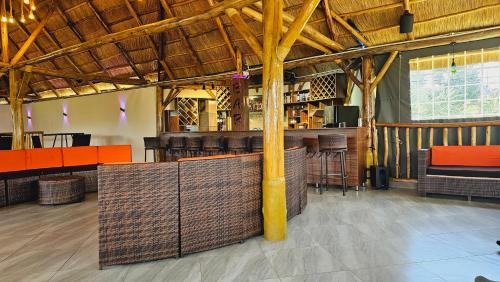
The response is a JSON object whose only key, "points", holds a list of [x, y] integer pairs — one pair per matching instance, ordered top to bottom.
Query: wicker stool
{"points": [[293, 141], [153, 144], [257, 144], [176, 145], [211, 145], [237, 145], [335, 145], [193, 146], [58, 190]]}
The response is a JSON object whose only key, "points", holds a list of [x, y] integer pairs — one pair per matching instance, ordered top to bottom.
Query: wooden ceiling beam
{"points": [[257, 16], [329, 20], [151, 28], [296, 28], [349, 28], [245, 31], [310, 31], [77, 33], [224, 34], [184, 38], [5, 42], [151, 42], [27, 44], [35, 44], [118, 45], [350, 74], [91, 77]]}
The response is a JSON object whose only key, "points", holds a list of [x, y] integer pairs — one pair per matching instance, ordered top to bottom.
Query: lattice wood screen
{"points": [[324, 87], [223, 94], [188, 111]]}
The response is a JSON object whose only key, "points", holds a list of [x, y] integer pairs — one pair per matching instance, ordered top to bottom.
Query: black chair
{"points": [[35, 140], [80, 140], [5, 143], [154, 144], [211, 145], [333, 145], [192, 146]]}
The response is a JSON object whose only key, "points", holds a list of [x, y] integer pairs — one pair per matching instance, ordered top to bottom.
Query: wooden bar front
{"points": [[356, 154]]}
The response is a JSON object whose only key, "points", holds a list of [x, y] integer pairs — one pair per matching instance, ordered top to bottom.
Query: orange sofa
{"points": [[20, 169], [472, 171]]}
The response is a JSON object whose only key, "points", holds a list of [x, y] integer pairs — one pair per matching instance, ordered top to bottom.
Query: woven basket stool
{"points": [[61, 190]]}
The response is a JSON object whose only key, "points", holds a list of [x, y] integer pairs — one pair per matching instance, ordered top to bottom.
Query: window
{"points": [[471, 92]]}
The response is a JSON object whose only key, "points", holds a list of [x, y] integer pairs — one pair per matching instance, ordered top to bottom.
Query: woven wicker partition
{"points": [[324, 87], [20, 190], [3, 198], [138, 212]]}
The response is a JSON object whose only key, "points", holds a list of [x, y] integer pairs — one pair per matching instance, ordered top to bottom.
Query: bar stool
{"points": [[293, 142], [153, 144], [257, 144], [176, 145], [211, 145], [237, 145], [335, 145], [192, 146]]}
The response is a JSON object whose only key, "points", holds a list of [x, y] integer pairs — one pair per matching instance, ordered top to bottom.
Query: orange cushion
{"points": [[114, 154], [466, 155], [76, 156], [44, 158], [14, 160]]}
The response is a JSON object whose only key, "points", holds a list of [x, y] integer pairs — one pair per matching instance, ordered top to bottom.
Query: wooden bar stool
{"points": [[152, 144], [257, 144], [211, 145], [237, 145], [334, 145], [193, 146]]}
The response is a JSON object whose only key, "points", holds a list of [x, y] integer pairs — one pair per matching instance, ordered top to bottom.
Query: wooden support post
{"points": [[5, 42], [383, 70], [367, 73], [16, 107], [159, 117], [488, 135], [445, 136], [459, 136], [431, 137], [419, 138], [473, 139], [375, 143], [386, 147], [398, 149], [408, 156], [273, 183]]}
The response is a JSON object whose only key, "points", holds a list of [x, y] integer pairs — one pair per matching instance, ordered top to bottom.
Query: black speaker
{"points": [[406, 22], [379, 177]]}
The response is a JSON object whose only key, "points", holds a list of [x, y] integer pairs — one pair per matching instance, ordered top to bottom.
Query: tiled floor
{"points": [[366, 236]]}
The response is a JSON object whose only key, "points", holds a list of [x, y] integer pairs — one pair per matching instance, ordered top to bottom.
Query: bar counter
{"points": [[356, 146]]}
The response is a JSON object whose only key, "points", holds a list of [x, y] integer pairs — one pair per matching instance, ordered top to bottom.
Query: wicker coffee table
{"points": [[61, 190]]}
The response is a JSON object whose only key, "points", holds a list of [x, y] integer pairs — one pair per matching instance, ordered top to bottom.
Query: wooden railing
{"points": [[431, 127], [28, 141]]}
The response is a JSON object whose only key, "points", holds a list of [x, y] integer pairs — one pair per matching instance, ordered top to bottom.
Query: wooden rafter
{"points": [[255, 15], [329, 20], [73, 28], [152, 28], [296, 28], [349, 28], [245, 31], [310, 31], [224, 34], [184, 38], [31, 39], [150, 40], [5, 42], [35, 44], [118, 45], [383, 70], [350, 74], [91, 77], [24, 83]]}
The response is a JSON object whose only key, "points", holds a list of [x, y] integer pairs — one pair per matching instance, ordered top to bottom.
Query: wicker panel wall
{"points": [[324, 87], [188, 111], [3, 198], [138, 212]]}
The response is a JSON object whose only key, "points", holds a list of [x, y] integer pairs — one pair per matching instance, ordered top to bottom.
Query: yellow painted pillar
{"points": [[273, 184]]}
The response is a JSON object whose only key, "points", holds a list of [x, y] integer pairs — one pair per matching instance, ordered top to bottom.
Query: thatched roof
{"points": [[200, 48]]}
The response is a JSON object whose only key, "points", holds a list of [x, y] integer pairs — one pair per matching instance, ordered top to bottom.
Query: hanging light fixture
{"points": [[4, 12], [7, 16], [453, 64]]}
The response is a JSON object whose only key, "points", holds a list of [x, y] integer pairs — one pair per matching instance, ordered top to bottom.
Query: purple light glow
{"points": [[65, 114], [123, 115], [30, 122]]}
